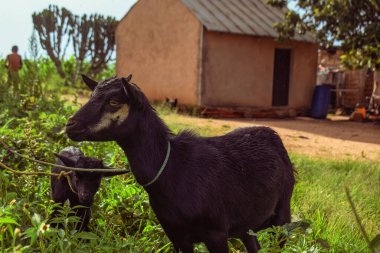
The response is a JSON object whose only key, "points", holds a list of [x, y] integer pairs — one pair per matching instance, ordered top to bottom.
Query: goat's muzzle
{"points": [[71, 122], [75, 130], [85, 198]]}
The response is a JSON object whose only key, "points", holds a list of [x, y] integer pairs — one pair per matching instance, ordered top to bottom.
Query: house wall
{"points": [[158, 42], [238, 71]]}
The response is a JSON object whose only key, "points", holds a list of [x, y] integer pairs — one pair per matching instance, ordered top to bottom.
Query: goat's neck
{"points": [[146, 147]]}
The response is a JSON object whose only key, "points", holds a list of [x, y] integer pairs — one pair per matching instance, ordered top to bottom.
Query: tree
{"points": [[52, 25], [354, 25], [81, 31], [92, 38], [103, 42]]}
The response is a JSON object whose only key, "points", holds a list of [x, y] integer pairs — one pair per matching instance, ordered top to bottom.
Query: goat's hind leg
{"points": [[281, 218], [217, 243], [250, 243]]}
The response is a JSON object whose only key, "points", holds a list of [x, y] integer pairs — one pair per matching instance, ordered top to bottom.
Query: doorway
{"points": [[281, 76]]}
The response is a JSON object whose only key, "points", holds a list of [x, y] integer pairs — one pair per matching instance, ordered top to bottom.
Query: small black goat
{"points": [[171, 103], [84, 184], [201, 189]]}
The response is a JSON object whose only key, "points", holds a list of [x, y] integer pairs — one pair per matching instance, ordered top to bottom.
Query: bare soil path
{"points": [[333, 138]]}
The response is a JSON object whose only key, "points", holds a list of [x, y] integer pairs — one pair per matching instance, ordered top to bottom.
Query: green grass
{"points": [[320, 198], [122, 218]]}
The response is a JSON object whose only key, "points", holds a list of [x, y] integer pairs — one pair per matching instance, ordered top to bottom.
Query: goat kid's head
{"points": [[110, 111], [85, 184]]}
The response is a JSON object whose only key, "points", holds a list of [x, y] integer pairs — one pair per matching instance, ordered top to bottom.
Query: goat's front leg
{"points": [[56, 213], [84, 213], [181, 241], [216, 242], [250, 243], [183, 247]]}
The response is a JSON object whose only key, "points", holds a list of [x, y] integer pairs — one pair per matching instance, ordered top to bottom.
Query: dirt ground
{"points": [[336, 137]]}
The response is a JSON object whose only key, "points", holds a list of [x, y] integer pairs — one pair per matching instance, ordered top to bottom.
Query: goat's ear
{"points": [[128, 78], [89, 82], [127, 86], [134, 95], [167, 99], [66, 161]]}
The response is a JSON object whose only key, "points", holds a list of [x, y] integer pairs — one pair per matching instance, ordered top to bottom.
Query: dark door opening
{"points": [[281, 76]]}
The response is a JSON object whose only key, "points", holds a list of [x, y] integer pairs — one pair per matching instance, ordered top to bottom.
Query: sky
{"points": [[16, 24]]}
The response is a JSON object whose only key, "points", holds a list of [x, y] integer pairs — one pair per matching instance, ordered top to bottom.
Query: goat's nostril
{"points": [[71, 122], [85, 196]]}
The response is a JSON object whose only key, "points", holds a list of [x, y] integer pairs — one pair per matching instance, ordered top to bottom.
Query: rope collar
{"points": [[162, 167]]}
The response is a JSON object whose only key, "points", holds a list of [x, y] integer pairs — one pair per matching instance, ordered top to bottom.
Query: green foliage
{"points": [[352, 24], [70, 67], [37, 79], [37, 90]]}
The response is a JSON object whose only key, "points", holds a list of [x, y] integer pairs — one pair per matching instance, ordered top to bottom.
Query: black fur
{"points": [[212, 188]]}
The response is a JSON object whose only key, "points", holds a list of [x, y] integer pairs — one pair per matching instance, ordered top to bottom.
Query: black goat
{"points": [[171, 103], [84, 184], [201, 189]]}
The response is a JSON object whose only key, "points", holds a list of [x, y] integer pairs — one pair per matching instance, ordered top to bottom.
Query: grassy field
{"points": [[122, 219]]}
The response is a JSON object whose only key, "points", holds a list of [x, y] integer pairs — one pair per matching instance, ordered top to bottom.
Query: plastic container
{"points": [[321, 101]]}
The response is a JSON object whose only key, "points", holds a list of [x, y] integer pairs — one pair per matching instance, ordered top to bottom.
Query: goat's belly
{"points": [[188, 222], [241, 226]]}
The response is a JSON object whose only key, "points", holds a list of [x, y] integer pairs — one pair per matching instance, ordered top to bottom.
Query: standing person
{"points": [[14, 64]]}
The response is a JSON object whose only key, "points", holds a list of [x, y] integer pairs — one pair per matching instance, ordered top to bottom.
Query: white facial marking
{"points": [[119, 116]]}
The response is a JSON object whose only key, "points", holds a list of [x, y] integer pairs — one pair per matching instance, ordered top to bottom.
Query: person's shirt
{"points": [[14, 61]]}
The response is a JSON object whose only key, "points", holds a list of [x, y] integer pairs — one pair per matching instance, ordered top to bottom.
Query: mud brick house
{"points": [[216, 54]]}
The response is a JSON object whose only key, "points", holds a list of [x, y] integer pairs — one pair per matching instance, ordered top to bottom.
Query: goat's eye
{"points": [[114, 103]]}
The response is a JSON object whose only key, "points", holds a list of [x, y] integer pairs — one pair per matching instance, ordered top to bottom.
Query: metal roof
{"points": [[251, 17]]}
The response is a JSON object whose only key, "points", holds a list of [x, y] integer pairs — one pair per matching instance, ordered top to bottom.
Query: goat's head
{"points": [[172, 103], [110, 112], [86, 184]]}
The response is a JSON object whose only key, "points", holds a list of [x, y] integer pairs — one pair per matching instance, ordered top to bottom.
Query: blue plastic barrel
{"points": [[321, 101]]}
